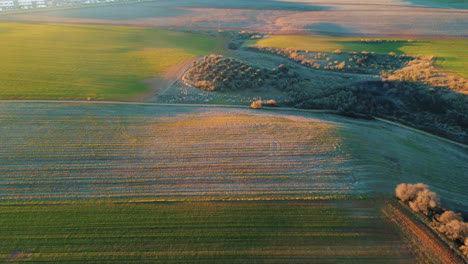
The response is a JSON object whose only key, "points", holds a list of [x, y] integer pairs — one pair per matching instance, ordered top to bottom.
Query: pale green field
{"points": [[452, 55], [100, 62]]}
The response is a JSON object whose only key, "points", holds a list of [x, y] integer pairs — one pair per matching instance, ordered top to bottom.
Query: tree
{"points": [[256, 104]]}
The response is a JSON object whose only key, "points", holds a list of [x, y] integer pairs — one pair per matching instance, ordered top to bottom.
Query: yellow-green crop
{"points": [[100, 62]]}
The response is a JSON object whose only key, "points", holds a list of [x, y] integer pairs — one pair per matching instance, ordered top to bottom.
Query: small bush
{"points": [[256, 104], [464, 248]]}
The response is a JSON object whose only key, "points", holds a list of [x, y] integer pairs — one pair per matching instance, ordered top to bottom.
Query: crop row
{"points": [[77, 154], [199, 232]]}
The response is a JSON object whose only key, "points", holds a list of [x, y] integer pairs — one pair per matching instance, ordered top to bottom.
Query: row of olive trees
{"points": [[354, 62], [422, 200]]}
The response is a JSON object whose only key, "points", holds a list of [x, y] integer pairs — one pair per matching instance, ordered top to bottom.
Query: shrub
{"points": [[256, 104], [418, 196], [464, 248]]}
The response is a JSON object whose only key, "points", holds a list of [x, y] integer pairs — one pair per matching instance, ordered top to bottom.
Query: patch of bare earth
{"points": [[164, 81]]}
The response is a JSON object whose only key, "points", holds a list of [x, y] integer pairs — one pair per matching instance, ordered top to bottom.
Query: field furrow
{"points": [[84, 151]]}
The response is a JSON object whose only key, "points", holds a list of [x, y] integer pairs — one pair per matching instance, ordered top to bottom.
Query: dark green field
{"points": [[97, 231]]}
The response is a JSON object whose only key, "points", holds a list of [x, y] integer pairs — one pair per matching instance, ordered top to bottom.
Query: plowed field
{"points": [[92, 150]]}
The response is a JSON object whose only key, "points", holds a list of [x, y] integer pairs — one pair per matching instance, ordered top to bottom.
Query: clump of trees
{"points": [[238, 38], [351, 62], [422, 70], [219, 73], [413, 91], [256, 104], [435, 109], [438, 110], [418, 196], [422, 200], [451, 225]]}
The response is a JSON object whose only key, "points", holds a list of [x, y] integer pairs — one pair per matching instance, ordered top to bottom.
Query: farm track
{"points": [[425, 243]]}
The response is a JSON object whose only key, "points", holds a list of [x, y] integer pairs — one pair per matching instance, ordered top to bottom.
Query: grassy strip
{"points": [[452, 55], [100, 62], [242, 232]]}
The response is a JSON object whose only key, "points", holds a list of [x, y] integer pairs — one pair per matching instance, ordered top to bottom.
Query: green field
{"points": [[452, 55], [99, 62], [101, 183], [98, 231]]}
